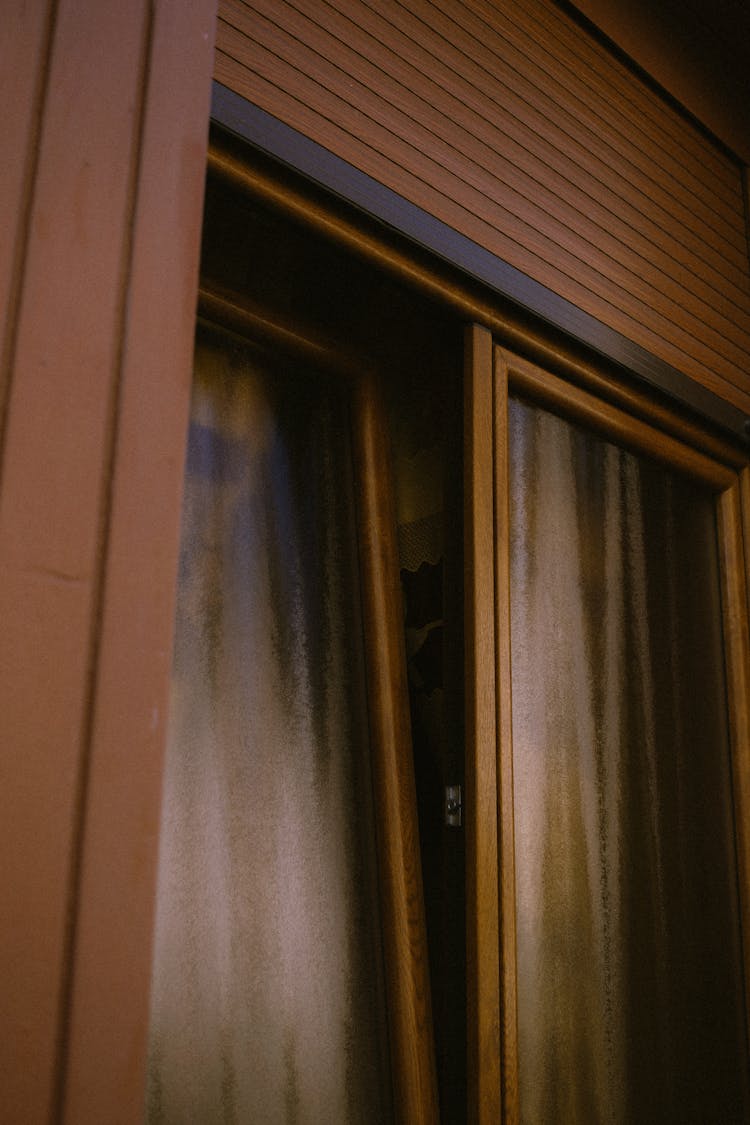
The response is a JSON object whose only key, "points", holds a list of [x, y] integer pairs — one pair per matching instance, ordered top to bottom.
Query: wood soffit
{"points": [[695, 52], [472, 279]]}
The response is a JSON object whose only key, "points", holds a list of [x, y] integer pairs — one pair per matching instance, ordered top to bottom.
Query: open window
{"points": [[415, 559]]}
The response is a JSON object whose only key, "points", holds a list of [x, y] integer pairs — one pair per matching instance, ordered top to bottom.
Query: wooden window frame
{"points": [[555, 370], [492, 375], [404, 936]]}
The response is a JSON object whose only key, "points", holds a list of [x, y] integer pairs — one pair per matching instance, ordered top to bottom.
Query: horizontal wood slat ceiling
{"points": [[510, 125]]}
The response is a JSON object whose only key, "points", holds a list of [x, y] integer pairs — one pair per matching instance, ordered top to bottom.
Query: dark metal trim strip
{"points": [[297, 152]]}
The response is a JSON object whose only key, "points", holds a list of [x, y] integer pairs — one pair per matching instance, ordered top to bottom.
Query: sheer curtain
{"points": [[629, 963], [267, 982]]}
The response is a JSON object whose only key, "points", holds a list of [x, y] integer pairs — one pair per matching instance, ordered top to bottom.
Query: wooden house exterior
{"points": [[555, 176]]}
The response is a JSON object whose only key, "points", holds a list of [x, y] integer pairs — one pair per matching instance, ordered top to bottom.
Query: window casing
{"points": [[563, 380]]}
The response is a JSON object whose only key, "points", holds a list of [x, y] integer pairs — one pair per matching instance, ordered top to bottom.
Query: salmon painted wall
{"points": [[697, 53], [520, 129], [105, 131]]}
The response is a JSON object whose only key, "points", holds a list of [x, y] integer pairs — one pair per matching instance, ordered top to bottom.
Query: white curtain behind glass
{"points": [[629, 967], [267, 989]]}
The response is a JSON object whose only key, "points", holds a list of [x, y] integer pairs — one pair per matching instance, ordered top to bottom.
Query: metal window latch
{"points": [[453, 806]]}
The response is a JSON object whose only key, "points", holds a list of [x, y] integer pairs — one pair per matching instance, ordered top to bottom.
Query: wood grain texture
{"points": [[426, 43], [700, 62], [406, 75], [473, 100], [578, 110], [504, 124], [667, 139], [567, 171], [466, 196], [557, 208], [601, 301], [235, 313], [548, 349], [638, 403], [602, 417], [745, 506], [734, 536], [482, 846], [405, 942], [508, 960], [107, 1028]]}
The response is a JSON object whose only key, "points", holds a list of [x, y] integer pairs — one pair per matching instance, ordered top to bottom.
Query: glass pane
{"points": [[630, 984], [267, 988]]}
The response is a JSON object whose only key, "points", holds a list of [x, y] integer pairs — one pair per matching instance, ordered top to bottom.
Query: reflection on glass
{"points": [[629, 973], [267, 980]]}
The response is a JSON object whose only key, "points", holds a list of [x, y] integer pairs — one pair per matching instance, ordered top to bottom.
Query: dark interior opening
{"points": [[290, 274]]}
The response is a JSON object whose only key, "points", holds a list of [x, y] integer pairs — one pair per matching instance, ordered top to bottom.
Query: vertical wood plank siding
{"points": [[23, 74], [512, 126], [103, 171], [59, 405], [106, 1029]]}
